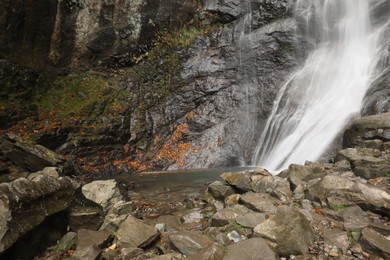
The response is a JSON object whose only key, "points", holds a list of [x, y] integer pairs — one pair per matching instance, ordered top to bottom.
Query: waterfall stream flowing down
{"points": [[315, 104]]}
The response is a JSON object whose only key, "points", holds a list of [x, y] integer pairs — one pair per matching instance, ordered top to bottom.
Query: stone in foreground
{"points": [[132, 232], [189, 243], [254, 248]]}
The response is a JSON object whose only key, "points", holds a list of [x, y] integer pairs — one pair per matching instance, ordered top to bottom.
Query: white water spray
{"points": [[316, 103]]}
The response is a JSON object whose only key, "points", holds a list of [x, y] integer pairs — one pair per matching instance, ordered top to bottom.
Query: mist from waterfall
{"points": [[316, 102]]}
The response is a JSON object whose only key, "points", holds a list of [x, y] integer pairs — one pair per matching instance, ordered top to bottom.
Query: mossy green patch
{"points": [[71, 95]]}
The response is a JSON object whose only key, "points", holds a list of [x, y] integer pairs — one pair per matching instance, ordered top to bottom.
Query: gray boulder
{"points": [[367, 128], [367, 163], [240, 180], [274, 185], [219, 190], [343, 191], [104, 193], [260, 202], [26, 203], [224, 217], [289, 229], [132, 232], [294, 234], [86, 238], [189, 242], [374, 242], [254, 248], [213, 252], [87, 253]]}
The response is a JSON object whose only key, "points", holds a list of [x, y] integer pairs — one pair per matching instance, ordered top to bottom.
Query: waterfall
{"points": [[316, 102]]}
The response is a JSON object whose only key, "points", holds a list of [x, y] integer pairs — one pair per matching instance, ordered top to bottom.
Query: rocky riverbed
{"points": [[337, 210]]}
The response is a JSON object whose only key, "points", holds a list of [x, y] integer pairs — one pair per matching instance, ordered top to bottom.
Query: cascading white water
{"points": [[315, 104]]}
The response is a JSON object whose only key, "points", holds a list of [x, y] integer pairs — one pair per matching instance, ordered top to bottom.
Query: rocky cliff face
{"points": [[81, 32]]}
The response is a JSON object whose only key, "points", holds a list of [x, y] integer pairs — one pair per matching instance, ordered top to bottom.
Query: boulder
{"points": [[367, 128], [28, 155], [366, 162], [300, 174], [240, 180], [276, 186], [219, 190], [337, 191], [104, 193], [260, 202], [26, 203], [193, 216], [88, 217], [224, 217], [354, 218], [251, 220], [289, 229], [133, 232], [294, 234], [337, 237], [86, 238], [67, 242], [190, 242], [374, 242], [254, 248], [131, 252], [213, 252], [87, 253]]}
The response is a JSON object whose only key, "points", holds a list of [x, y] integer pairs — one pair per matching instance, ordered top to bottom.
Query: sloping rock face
{"points": [[53, 32], [226, 90], [26, 203]]}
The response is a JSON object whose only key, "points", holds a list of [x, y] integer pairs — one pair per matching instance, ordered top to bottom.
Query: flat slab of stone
{"points": [[260, 202], [251, 220], [133, 232], [86, 238], [189, 242], [375, 242], [254, 248]]}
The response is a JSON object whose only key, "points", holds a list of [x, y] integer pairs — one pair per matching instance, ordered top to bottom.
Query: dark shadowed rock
{"points": [[28, 155], [220, 190], [26, 203], [88, 217], [132, 232], [67, 242], [190, 243], [254, 248]]}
